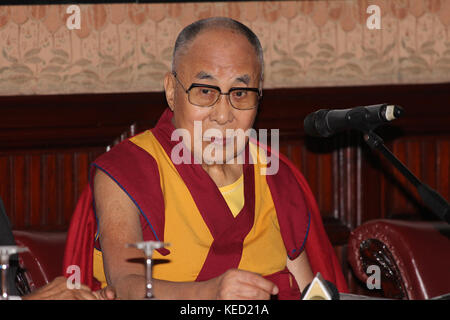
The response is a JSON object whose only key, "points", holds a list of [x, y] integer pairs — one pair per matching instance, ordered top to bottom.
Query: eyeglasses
{"points": [[204, 95]]}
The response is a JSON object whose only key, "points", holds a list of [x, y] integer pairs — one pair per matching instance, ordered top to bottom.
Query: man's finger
{"points": [[260, 282], [84, 287], [250, 292], [107, 293], [110, 293], [98, 294], [85, 295]]}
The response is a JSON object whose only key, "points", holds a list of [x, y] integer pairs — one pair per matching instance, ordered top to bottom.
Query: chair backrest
{"points": [[413, 256]]}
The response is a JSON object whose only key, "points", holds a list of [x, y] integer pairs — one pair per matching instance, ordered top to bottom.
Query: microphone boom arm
{"points": [[433, 200]]}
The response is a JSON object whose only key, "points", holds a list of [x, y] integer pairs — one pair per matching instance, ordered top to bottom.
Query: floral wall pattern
{"points": [[128, 47]]}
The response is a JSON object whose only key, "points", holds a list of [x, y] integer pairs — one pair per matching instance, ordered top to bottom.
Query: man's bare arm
{"points": [[119, 224], [301, 270]]}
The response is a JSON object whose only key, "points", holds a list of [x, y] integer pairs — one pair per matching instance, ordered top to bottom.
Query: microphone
{"points": [[324, 122], [320, 289]]}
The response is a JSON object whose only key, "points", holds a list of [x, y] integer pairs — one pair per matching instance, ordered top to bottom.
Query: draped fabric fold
{"points": [[80, 241], [321, 255]]}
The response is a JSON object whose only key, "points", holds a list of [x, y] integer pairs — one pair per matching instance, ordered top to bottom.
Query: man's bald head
{"points": [[189, 33]]}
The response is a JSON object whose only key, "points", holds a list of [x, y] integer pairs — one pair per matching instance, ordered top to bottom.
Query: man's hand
{"points": [[239, 284], [58, 290], [107, 293]]}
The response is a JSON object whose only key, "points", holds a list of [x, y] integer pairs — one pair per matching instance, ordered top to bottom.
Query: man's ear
{"points": [[169, 88]]}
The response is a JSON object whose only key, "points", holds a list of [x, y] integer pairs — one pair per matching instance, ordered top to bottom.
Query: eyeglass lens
{"points": [[239, 98]]}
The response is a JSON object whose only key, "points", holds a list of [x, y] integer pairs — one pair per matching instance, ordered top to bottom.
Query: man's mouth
{"points": [[220, 141]]}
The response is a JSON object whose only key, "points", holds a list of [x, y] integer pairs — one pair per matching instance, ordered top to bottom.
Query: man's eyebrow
{"points": [[203, 75], [244, 79]]}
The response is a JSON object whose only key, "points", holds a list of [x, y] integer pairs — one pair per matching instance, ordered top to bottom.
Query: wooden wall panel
{"points": [[423, 156], [44, 160], [443, 168], [42, 188], [70, 191]]}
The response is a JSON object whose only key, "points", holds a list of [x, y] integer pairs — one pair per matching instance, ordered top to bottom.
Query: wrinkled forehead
{"points": [[220, 46]]}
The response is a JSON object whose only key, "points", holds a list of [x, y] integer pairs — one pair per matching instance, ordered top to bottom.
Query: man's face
{"points": [[221, 58]]}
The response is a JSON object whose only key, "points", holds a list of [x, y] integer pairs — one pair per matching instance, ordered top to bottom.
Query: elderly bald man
{"points": [[235, 231]]}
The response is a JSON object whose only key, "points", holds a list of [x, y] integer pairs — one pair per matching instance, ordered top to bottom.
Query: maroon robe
{"points": [[290, 192]]}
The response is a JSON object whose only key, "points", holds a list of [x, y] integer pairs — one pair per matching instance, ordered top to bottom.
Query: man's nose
{"points": [[222, 110]]}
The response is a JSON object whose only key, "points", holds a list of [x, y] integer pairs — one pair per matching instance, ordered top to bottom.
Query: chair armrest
{"points": [[414, 257], [44, 260]]}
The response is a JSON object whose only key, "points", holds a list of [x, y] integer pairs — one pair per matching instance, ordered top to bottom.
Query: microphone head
{"points": [[392, 112], [315, 124]]}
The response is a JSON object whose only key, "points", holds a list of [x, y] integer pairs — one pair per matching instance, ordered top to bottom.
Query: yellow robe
{"points": [[188, 234]]}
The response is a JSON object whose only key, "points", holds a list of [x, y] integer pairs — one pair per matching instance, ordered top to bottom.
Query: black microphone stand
{"points": [[433, 200]]}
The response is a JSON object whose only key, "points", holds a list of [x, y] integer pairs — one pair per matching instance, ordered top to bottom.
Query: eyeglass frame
{"points": [[196, 85]]}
